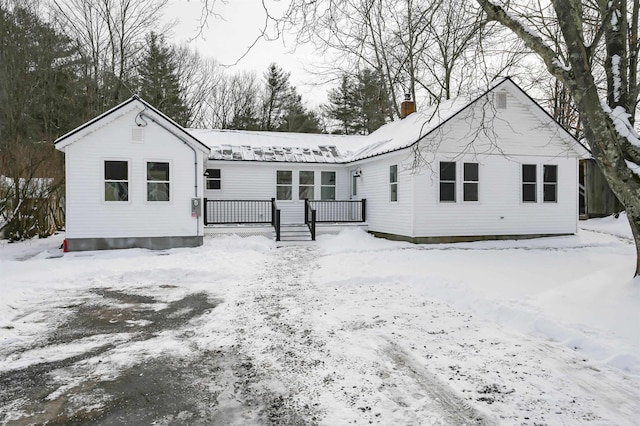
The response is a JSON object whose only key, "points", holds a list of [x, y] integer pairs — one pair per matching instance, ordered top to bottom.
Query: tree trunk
{"points": [[635, 228]]}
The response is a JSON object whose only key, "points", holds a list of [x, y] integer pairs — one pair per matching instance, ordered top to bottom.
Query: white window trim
{"points": [[207, 179], [103, 180], [147, 181], [477, 182], [522, 183], [554, 183], [292, 184], [391, 184], [455, 184], [300, 185], [334, 186]]}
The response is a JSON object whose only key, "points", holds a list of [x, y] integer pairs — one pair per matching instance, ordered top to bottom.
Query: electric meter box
{"points": [[196, 207]]}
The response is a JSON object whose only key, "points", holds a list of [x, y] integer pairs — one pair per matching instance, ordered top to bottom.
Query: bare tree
{"points": [[110, 34], [597, 38]]}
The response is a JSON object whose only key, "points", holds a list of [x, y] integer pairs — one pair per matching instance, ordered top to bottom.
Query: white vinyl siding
{"points": [[501, 210], [89, 216]]}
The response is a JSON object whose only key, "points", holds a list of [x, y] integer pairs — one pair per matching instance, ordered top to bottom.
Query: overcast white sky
{"points": [[230, 34]]}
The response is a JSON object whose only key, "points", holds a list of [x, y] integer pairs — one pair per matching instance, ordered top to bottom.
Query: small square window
{"points": [[214, 179]]}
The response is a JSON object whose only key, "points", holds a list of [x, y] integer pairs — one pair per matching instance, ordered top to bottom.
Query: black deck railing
{"points": [[238, 211], [339, 211], [233, 212], [310, 218]]}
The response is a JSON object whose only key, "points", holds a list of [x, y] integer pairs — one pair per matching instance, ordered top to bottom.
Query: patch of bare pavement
{"points": [[203, 386], [66, 390]]}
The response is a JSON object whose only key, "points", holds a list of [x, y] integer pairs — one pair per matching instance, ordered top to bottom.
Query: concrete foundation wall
{"points": [[152, 243]]}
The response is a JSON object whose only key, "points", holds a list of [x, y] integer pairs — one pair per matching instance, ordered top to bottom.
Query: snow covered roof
{"points": [[238, 145], [243, 145]]}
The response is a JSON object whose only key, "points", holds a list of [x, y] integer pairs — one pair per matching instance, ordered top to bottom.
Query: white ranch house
{"points": [[493, 167]]}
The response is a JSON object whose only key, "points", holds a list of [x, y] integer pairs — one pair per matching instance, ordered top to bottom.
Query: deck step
{"points": [[295, 233]]}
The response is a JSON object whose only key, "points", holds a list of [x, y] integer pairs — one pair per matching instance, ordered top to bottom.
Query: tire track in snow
{"points": [[454, 410]]}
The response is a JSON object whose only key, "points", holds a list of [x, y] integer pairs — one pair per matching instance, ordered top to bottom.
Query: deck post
{"points": [[364, 209], [204, 212], [277, 224], [313, 225]]}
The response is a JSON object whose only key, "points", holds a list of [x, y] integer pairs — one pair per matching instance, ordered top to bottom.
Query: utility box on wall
{"points": [[196, 207]]}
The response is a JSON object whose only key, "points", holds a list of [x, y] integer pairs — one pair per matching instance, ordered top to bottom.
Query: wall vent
{"points": [[501, 100], [137, 134]]}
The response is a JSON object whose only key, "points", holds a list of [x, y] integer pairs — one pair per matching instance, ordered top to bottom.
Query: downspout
{"points": [[195, 155]]}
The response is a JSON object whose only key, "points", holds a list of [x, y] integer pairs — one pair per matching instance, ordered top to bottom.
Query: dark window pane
{"points": [[115, 170], [447, 170], [157, 171], [471, 172], [528, 172], [213, 173], [393, 173], [550, 173], [284, 178], [306, 178], [328, 178], [213, 184], [116, 191], [157, 191], [447, 191], [305, 192], [394, 192], [470, 192], [529, 192], [283, 193], [328, 193], [549, 195]]}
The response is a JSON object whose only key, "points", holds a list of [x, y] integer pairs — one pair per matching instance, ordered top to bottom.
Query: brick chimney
{"points": [[407, 106]]}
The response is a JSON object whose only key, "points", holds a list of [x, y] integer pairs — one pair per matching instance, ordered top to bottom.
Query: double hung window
{"points": [[214, 179], [116, 180], [447, 181], [158, 183], [393, 183], [470, 183], [529, 183], [550, 183], [284, 184], [305, 185], [328, 186]]}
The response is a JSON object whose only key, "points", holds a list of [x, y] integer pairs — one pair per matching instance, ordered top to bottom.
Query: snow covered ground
{"points": [[350, 330]]}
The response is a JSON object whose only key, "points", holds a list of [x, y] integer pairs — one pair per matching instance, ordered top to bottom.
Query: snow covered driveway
{"points": [[352, 330]]}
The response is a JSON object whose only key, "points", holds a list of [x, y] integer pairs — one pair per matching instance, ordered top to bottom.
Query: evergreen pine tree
{"points": [[159, 81], [360, 105], [282, 109]]}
